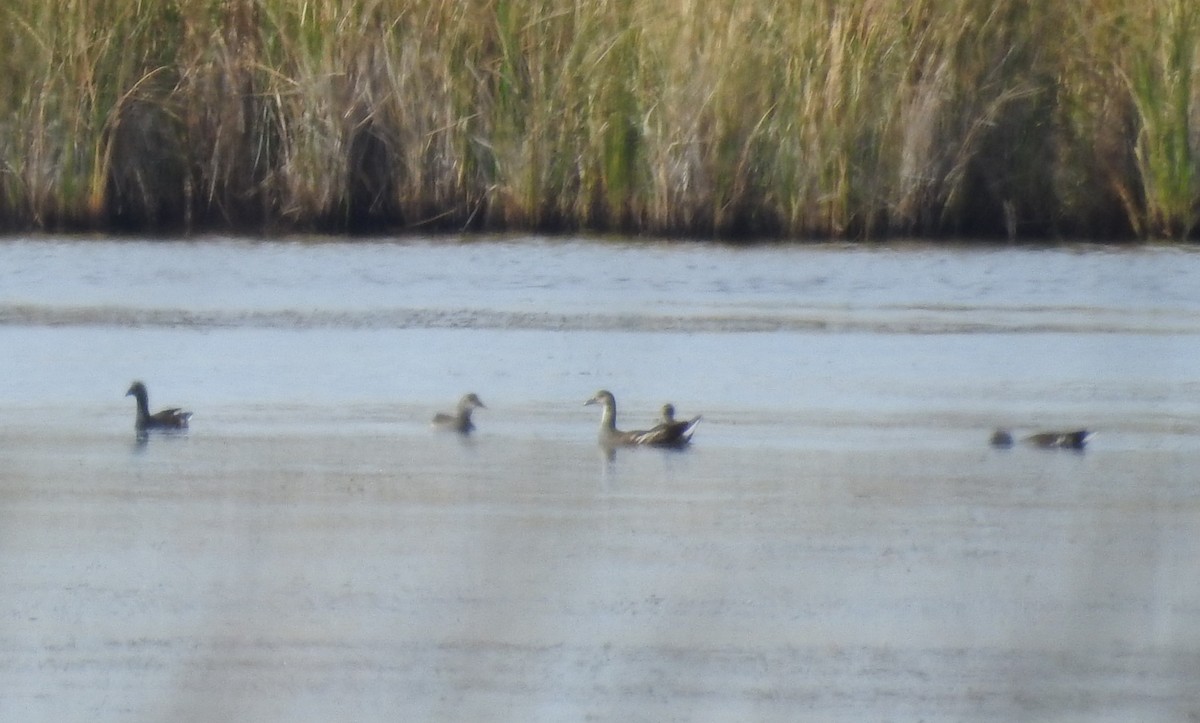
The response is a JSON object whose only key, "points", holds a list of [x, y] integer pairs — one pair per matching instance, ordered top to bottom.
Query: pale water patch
{"points": [[532, 284], [839, 544]]}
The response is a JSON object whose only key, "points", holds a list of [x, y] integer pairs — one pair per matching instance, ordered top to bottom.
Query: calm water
{"points": [[839, 544]]}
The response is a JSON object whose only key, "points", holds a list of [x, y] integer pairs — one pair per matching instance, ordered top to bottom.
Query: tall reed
{"points": [[72, 71], [1164, 80], [807, 119]]}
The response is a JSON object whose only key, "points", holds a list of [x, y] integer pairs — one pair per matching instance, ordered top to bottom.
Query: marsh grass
{"points": [[1164, 81], [860, 119]]}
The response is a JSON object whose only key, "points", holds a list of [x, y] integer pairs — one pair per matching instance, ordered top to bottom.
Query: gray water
{"points": [[840, 543]]}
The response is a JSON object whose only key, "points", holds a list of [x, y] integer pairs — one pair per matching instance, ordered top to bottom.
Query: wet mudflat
{"points": [[839, 544]]}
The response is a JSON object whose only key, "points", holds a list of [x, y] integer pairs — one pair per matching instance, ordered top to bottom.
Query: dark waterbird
{"points": [[174, 418], [460, 420], [671, 427], [668, 433], [1001, 438], [1074, 439]]}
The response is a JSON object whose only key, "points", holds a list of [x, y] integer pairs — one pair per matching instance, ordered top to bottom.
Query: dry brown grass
{"points": [[866, 118]]}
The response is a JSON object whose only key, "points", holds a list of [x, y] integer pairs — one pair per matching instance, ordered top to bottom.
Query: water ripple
{"points": [[895, 319]]}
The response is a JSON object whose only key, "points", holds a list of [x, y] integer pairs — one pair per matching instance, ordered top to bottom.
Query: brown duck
{"points": [[460, 420], [672, 426], [668, 433], [1074, 439]]}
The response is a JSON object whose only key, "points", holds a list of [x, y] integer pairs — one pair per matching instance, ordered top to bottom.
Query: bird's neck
{"points": [[608, 417]]}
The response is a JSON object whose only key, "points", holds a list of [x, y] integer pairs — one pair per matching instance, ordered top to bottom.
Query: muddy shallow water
{"points": [[839, 544]]}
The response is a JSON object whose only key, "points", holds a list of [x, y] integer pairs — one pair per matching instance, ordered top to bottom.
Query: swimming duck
{"points": [[174, 418], [460, 421], [670, 425], [667, 434], [1001, 438], [1075, 439]]}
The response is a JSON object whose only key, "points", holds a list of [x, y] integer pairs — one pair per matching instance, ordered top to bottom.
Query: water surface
{"points": [[839, 544]]}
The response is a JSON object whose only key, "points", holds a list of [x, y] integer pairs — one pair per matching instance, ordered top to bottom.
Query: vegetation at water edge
{"points": [[705, 118]]}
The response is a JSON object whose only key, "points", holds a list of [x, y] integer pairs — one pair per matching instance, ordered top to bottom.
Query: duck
{"points": [[173, 418], [460, 420], [670, 425], [676, 434], [1001, 438], [1074, 439]]}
